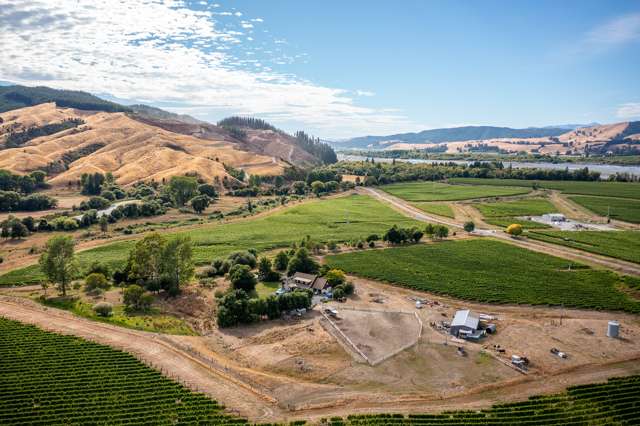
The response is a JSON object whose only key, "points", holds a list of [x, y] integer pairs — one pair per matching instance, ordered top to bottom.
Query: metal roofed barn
{"points": [[464, 322]]}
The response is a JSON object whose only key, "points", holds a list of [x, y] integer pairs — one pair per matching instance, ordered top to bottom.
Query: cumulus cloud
{"points": [[164, 53], [629, 111]]}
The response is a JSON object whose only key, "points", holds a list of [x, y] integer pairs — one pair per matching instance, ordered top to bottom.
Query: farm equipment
{"points": [[331, 312], [558, 353], [521, 362]]}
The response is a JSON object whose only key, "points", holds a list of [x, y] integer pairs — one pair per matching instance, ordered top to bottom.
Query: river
{"points": [[605, 170]]}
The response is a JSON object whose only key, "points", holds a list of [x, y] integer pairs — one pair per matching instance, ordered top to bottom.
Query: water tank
{"points": [[613, 329]]}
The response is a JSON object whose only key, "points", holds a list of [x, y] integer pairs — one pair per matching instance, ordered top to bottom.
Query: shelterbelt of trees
{"points": [[373, 173]]}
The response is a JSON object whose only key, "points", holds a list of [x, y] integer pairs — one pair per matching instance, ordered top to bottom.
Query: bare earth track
{"points": [[538, 246]]}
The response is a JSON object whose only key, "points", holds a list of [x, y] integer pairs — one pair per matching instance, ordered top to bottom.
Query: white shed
{"points": [[464, 321]]}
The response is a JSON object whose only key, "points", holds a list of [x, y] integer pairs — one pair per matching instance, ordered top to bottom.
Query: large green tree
{"points": [[183, 188], [200, 203], [146, 258], [58, 261], [177, 262], [302, 262]]}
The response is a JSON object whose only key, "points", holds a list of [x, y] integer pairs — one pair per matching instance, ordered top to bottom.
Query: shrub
{"points": [[469, 226], [514, 229], [243, 258], [281, 261], [335, 277], [242, 278], [95, 281], [338, 293], [136, 299], [103, 309]]}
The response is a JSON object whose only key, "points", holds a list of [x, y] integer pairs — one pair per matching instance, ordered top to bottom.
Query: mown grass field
{"points": [[605, 189], [435, 191], [525, 207], [619, 208], [439, 209], [337, 219], [623, 245], [492, 272], [49, 378]]}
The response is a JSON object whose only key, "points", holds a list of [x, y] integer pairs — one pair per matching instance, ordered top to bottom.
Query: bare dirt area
{"points": [[375, 335], [295, 369]]}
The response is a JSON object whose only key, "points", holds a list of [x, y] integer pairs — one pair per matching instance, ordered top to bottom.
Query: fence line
{"points": [[389, 355]]}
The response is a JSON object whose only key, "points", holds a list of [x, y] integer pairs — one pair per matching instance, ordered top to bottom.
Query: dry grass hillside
{"points": [[599, 138], [266, 142], [131, 149]]}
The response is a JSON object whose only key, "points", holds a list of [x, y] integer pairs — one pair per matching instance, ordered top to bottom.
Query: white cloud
{"points": [[257, 20], [618, 31], [165, 53], [364, 93], [629, 111]]}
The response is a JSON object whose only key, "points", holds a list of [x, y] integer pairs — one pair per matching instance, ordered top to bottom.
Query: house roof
{"points": [[304, 277], [308, 281], [319, 284], [466, 318]]}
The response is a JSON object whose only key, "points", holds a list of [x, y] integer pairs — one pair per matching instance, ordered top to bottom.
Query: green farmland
{"points": [[604, 189], [435, 191], [526, 207], [618, 208], [439, 209], [504, 213], [337, 219], [623, 245], [492, 272], [48, 378], [612, 403]]}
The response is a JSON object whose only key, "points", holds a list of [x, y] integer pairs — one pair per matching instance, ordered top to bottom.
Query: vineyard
{"points": [[623, 245], [490, 271], [47, 378], [614, 402]]}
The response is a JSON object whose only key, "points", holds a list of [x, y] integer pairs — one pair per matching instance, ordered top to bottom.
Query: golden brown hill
{"points": [[599, 139], [266, 142], [131, 149]]}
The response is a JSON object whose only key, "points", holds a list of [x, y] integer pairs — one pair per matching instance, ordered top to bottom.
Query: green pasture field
{"points": [[605, 189], [436, 191], [525, 207], [619, 208], [439, 209], [336, 219], [504, 222], [623, 245], [491, 271], [50, 378]]}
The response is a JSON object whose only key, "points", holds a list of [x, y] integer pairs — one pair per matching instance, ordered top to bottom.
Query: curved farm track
{"points": [[539, 246], [241, 389]]}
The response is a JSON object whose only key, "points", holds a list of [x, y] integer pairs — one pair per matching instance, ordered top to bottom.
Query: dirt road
{"points": [[538, 246]]}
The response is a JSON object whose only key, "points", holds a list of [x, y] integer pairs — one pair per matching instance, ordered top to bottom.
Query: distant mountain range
{"points": [[453, 134], [567, 139]]}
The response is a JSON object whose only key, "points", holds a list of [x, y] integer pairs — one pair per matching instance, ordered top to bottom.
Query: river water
{"points": [[604, 169]]}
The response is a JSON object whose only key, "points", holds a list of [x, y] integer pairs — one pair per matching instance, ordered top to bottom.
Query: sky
{"points": [[338, 69]]}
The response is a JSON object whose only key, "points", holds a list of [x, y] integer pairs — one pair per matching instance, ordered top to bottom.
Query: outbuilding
{"points": [[465, 322]]}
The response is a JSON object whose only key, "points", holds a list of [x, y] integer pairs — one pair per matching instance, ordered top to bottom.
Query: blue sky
{"points": [[336, 68]]}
